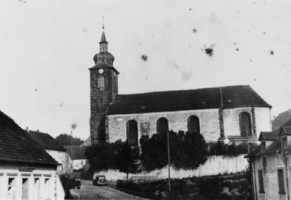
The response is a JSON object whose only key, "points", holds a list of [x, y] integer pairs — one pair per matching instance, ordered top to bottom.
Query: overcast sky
{"points": [[47, 47]]}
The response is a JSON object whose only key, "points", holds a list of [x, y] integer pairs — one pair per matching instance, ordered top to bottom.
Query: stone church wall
{"points": [[231, 120], [209, 122], [147, 123]]}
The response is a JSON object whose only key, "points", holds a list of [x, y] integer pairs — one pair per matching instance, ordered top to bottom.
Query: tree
{"points": [[68, 140], [101, 156], [127, 159]]}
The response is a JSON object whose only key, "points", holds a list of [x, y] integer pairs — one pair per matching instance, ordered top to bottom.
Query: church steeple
{"points": [[103, 43], [104, 57], [103, 90]]}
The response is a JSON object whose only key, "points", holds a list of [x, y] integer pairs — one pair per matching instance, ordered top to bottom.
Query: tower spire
{"points": [[103, 23], [103, 43]]}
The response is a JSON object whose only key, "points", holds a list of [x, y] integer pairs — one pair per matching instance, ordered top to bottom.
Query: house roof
{"points": [[206, 98], [268, 136], [46, 141], [16, 146], [272, 148], [76, 152]]}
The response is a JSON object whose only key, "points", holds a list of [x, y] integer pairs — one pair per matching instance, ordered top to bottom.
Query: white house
{"points": [[55, 150], [271, 164], [26, 170]]}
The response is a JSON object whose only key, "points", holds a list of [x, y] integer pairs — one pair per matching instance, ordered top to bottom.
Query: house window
{"points": [[101, 82], [193, 124], [245, 124], [162, 126], [132, 133], [284, 142], [261, 181], [281, 181], [11, 188], [25, 188], [36, 188], [47, 190]]}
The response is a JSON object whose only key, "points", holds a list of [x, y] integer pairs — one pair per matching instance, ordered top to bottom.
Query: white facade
{"points": [[116, 125], [63, 158], [79, 164], [21, 182]]}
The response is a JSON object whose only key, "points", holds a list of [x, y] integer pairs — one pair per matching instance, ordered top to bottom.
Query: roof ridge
{"points": [[165, 91]]}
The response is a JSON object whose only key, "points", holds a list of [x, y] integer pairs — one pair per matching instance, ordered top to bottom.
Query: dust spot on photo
{"points": [[85, 30], [194, 30], [209, 51], [272, 52], [144, 58], [186, 75]]}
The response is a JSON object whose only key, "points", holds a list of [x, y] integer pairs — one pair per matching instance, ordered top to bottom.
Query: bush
{"points": [[219, 148], [187, 151], [69, 183], [219, 187]]}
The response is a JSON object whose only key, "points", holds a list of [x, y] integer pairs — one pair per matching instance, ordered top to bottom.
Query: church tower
{"points": [[104, 88]]}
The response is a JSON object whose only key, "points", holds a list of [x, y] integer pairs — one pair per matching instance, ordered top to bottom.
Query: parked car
{"points": [[100, 180]]}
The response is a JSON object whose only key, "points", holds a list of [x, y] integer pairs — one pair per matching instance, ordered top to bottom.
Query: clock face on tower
{"points": [[101, 71]]}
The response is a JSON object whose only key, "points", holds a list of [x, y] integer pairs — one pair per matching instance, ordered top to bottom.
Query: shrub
{"points": [[219, 148], [187, 151], [69, 183], [219, 187]]}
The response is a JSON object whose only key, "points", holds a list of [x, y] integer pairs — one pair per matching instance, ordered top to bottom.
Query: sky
{"points": [[47, 47]]}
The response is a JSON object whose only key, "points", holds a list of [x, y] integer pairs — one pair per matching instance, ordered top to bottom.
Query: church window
{"points": [[101, 82], [193, 124], [245, 124], [162, 126], [132, 133]]}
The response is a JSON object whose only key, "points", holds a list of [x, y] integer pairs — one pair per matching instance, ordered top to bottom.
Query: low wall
{"points": [[213, 166]]}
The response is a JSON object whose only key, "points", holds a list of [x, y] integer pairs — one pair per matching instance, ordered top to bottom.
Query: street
{"points": [[90, 191]]}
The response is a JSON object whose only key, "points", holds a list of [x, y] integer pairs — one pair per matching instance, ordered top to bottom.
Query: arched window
{"points": [[101, 83], [193, 124], [245, 124], [162, 126], [132, 135]]}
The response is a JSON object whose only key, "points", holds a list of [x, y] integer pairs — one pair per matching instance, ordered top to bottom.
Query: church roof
{"points": [[206, 98], [46, 141], [16, 146]]}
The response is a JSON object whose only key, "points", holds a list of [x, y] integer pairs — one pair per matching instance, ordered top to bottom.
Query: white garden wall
{"points": [[213, 166]]}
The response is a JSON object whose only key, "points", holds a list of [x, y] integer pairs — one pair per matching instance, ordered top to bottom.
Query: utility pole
{"points": [[169, 162]]}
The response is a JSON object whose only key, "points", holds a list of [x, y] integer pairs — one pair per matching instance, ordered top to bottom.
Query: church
{"points": [[235, 113]]}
